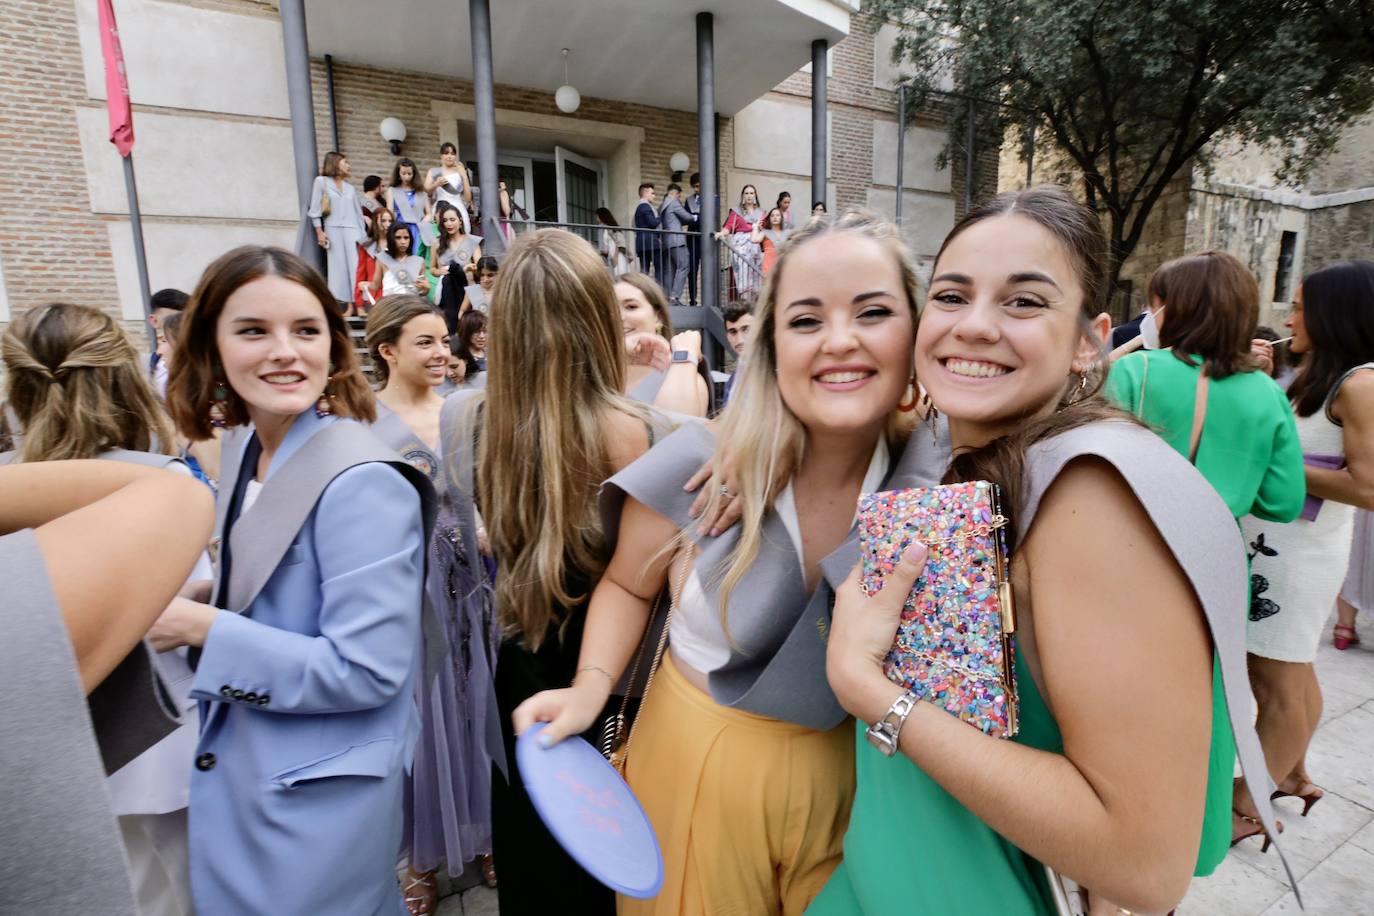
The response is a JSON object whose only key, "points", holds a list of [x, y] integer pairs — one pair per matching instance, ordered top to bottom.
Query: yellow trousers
{"points": [[750, 812]]}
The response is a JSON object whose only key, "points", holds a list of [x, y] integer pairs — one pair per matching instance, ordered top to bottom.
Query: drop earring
{"points": [[1079, 391], [219, 401], [904, 405], [324, 407]]}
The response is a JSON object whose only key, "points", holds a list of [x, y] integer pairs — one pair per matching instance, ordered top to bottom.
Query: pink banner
{"points": [[116, 82]]}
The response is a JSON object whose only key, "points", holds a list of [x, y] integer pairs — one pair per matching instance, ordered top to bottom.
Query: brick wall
{"points": [[366, 95], [59, 250]]}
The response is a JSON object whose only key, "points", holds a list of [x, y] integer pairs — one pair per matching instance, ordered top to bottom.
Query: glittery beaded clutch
{"points": [[954, 644]]}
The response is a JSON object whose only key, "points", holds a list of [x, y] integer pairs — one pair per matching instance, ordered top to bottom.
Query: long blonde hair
{"points": [[557, 368], [78, 388], [760, 433]]}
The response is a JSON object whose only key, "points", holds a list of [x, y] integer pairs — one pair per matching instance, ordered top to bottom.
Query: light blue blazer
{"points": [[307, 710]]}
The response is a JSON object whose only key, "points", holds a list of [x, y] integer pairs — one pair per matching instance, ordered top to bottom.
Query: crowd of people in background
{"points": [[425, 546]]}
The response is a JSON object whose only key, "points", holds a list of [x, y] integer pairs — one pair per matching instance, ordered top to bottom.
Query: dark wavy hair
{"points": [[417, 183], [1078, 230], [1338, 313]]}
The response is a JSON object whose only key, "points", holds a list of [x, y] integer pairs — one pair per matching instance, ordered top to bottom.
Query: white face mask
{"points": [[1149, 329]]}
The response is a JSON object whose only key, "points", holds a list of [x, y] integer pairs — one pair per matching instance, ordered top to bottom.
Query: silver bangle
{"points": [[884, 733]]}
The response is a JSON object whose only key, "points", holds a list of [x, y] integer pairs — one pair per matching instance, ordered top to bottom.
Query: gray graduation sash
{"points": [[413, 211], [407, 270], [647, 389], [394, 431], [265, 531], [1205, 542], [777, 662], [131, 710]]}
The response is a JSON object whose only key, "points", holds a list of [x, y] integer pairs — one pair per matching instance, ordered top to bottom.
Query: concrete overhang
{"points": [[641, 51]]}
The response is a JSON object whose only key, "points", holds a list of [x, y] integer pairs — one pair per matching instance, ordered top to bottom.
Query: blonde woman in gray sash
{"points": [[449, 183], [409, 203], [339, 229], [397, 271], [741, 755]]}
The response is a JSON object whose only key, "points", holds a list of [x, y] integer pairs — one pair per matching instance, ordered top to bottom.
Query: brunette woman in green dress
{"points": [[1127, 571]]}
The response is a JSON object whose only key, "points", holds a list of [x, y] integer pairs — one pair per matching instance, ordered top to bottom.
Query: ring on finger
{"points": [[725, 491]]}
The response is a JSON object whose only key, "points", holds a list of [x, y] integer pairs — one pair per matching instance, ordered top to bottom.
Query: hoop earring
{"points": [[1078, 392], [219, 401], [903, 405], [324, 407]]}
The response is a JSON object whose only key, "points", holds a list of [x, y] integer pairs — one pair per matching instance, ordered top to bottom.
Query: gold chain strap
{"points": [[998, 521], [615, 743]]}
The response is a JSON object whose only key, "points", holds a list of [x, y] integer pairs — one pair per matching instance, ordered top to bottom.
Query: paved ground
{"points": [[1331, 851]]}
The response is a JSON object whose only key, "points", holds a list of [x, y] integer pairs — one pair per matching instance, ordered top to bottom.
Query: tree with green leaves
{"points": [[1132, 92]]}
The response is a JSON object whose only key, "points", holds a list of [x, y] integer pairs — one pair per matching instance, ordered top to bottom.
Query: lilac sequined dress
{"points": [[448, 798], [448, 811]]}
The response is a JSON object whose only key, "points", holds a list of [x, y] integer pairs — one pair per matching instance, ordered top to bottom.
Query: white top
{"points": [[696, 634]]}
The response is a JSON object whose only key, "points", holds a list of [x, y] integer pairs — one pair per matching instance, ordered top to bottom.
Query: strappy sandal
{"points": [[1343, 637], [1310, 797], [1258, 831], [489, 870], [426, 903]]}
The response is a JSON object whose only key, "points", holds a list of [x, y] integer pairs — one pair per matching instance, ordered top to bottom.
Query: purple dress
{"points": [[448, 796], [448, 809]]}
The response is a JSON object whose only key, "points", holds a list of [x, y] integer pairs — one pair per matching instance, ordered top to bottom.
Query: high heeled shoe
{"points": [[1343, 637], [1309, 798], [1258, 831]]}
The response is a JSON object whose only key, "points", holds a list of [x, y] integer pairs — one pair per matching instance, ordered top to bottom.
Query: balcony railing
{"points": [[736, 273]]}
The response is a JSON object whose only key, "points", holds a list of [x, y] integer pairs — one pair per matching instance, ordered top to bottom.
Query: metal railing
{"points": [[737, 272]]}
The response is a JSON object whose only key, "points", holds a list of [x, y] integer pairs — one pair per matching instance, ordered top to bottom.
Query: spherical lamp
{"points": [[567, 98], [394, 132], [678, 162]]}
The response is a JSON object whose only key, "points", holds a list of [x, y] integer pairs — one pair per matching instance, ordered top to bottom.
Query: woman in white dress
{"points": [[449, 183], [398, 271], [1296, 571]]}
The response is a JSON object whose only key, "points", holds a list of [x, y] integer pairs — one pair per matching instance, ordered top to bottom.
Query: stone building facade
{"points": [[213, 142], [1282, 230]]}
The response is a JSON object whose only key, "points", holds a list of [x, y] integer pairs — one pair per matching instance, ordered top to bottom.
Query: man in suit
{"points": [[693, 205], [674, 217], [649, 245]]}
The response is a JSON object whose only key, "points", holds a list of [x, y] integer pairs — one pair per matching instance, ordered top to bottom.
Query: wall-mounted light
{"points": [[567, 98], [393, 132], [679, 162]]}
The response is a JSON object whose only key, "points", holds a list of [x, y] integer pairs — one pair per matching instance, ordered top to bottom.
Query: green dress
{"points": [[1249, 450], [912, 847]]}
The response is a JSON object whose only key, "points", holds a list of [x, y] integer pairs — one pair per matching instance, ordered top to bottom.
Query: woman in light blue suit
{"points": [[309, 649]]}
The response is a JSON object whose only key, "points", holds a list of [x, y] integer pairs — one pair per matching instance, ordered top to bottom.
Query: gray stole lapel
{"points": [[411, 211], [647, 389], [394, 431], [457, 490], [263, 533], [1207, 545], [777, 663], [131, 709]]}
